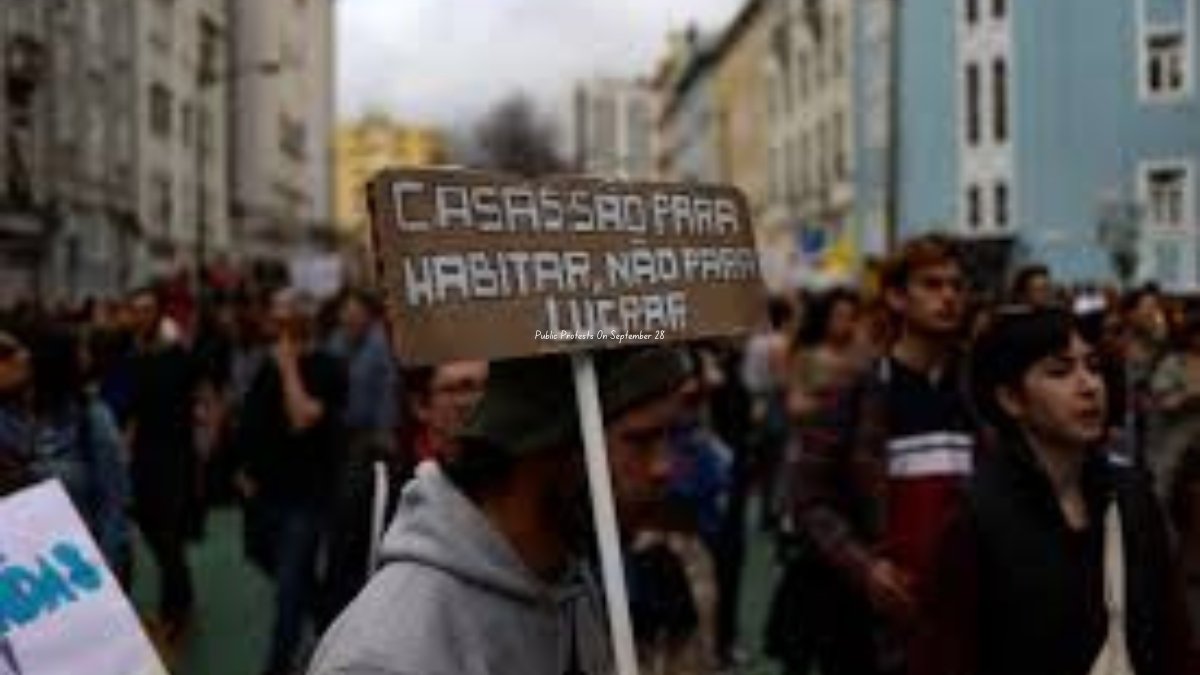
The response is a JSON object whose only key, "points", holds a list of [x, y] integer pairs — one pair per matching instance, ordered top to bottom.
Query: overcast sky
{"points": [[446, 61]]}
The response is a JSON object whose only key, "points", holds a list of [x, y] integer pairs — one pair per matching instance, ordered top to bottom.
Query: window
{"points": [[999, 8], [972, 11], [836, 45], [1166, 63], [803, 75], [1000, 100], [972, 103], [160, 110], [186, 123], [292, 137], [839, 146], [805, 165], [792, 177], [773, 178], [1165, 190], [164, 203], [1001, 205], [974, 207]]}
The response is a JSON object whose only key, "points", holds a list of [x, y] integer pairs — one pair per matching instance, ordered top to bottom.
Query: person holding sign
{"points": [[484, 570]]}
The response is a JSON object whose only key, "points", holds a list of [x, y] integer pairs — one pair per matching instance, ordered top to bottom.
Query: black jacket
{"points": [[1020, 593]]}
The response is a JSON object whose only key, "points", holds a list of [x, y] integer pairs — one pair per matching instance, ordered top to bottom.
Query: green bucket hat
{"points": [[528, 405]]}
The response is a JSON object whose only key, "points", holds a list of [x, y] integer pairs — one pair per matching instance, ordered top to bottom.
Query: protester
{"points": [[1033, 286], [360, 341], [1146, 342], [827, 359], [439, 400], [730, 412], [1174, 425], [51, 427], [292, 435], [164, 466], [873, 490], [1185, 507], [676, 562], [484, 567], [1028, 571]]}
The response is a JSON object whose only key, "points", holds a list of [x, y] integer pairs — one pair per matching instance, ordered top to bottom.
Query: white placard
{"points": [[62, 612]]}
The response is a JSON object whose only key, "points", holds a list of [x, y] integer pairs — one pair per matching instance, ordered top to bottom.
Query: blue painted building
{"points": [[1038, 121]]}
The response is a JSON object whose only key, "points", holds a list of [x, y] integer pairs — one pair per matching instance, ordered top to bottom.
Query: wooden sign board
{"points": [[481, 266]]}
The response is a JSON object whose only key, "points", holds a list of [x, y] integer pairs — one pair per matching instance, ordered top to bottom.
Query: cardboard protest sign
{"points": [[475, 265], [61, 611]]}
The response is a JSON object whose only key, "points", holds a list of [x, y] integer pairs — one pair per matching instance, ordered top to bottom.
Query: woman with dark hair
{"points": [[1174, 423], [57, 429], [1059, 562], [806, 610]]}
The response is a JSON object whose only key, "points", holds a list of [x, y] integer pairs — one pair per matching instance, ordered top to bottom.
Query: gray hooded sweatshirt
{"points": [[453, 598]]}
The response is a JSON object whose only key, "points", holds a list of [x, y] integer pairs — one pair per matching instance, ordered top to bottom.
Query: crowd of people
{"points": [[955, 483]]}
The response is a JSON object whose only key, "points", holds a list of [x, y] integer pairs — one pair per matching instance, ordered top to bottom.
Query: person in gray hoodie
{"points": [[484, 570]]}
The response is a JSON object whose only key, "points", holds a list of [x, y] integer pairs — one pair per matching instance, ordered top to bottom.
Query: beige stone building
{"points": [[740, 89], [810, 122], [282, 131], [181, 136]]}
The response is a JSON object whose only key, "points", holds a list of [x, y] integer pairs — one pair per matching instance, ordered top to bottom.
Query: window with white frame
{"points": [[999, 8], [971, 11], [836, 46], [1165, 70], [1000, 100], [972, 103], [839, 146], [805, 166], [773, 179], [1166, 192], [1001, 204], [974, 207]]}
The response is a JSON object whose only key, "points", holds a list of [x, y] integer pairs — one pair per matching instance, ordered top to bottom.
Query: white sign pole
{"points": [[604, 512]]}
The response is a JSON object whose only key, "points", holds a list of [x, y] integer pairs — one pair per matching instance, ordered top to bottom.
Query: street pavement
{"points": [[233, 621]]}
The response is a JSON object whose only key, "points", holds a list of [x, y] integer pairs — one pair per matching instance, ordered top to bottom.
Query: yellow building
{"points": [[373, 143]]}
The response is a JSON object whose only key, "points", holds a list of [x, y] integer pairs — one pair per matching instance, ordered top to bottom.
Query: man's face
{"points": [[1038, 292], [934, 301], [145, 315], [282, 316], [1149, 317], [355, 318], [843, 323], [15, 368], [454, 391], [1062, 399], [640, 456]]}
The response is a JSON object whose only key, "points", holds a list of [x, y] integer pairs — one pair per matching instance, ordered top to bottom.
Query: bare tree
{"points": [[514, 138]]}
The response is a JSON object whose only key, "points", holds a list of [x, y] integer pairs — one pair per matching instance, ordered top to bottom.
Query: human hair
{"points": [[916, 254], [1024, 280], [147, 291], [1135, 297], [368, 299], [779, 312], [815, 329], [1016, 338], [57, 369], [418, 381], [478, 468]]}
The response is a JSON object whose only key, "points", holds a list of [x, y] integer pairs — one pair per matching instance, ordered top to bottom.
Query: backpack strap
{"points": [[379, 503]]}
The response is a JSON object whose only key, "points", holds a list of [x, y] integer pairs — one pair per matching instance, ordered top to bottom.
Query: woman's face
{"points": [[843, 322], [1062, 399]]}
